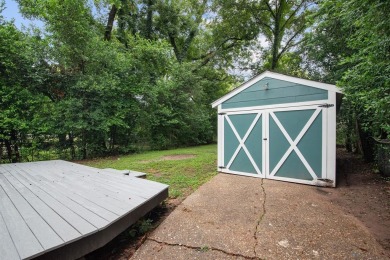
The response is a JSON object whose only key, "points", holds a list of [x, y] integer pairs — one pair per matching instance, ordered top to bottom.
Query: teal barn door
{"points": [[283, 143], [296, 146], [243, 149]]}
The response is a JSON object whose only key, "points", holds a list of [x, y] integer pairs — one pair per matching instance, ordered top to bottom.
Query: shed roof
{"points": [[274, 75]]}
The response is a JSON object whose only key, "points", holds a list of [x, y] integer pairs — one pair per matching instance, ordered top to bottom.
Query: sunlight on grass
{"points": [[183, 176]]}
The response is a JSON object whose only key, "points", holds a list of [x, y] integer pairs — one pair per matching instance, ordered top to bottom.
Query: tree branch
{"points": [[270, 9], [292, 15], [149, 19], [110, 23], [263, 23], [194, 31], [220, 46], [288, 46], [175, 49], [208, 57]]}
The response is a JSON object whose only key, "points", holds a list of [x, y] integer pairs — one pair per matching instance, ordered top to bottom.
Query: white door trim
{"points": [[294, 105], [265, 114], [242, 142], [294, 143]]}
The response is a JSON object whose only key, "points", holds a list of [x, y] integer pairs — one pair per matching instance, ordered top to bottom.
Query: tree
{"points": [[282, 24], [350, 45], [19, 75], [116, 82]]}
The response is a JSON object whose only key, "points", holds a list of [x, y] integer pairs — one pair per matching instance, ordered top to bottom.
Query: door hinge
{"points": [[326, 105], [221, 114], [221, 167]]}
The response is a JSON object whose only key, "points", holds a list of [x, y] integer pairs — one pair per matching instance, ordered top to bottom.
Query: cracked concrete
{"points": [[236, 217], [260, 218], [205, 249]]}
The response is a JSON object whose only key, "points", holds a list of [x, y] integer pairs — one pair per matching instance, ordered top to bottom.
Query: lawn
{"points": [[184, 169]]}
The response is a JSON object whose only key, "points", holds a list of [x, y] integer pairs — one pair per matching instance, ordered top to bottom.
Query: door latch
{"points": [[265, 139]]}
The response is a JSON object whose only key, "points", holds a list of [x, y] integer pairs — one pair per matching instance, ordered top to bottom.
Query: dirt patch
{"points": [[173, 157], [177, 157], [362, 193]]}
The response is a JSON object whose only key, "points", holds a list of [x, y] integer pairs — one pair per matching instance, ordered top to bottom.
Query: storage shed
{"points": [[279, 127]]}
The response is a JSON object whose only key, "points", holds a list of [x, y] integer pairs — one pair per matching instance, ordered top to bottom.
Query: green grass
{"points": [[183, 176]]}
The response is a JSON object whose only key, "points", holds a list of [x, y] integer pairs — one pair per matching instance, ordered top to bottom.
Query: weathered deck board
{"points": [[49, 177], [117, 181], [89, 191], [65, 193], [57, 209], [83, 209], [77, 222], [41, 229], [52, 229], [25, 241], [7, 246]]}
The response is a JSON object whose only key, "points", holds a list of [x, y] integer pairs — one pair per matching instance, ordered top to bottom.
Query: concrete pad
{"points": [[233, 217], [300, 224]]}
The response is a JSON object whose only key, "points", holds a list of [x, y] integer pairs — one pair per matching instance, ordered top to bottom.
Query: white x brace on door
{"points": [[285, 144], [243, 153]]}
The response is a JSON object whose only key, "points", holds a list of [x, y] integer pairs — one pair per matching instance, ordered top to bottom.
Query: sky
{"points": [[11, 11]]}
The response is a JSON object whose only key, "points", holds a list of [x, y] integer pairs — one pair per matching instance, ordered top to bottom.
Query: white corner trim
{"points": [[310, 83], [220, 139], [331, 143]]}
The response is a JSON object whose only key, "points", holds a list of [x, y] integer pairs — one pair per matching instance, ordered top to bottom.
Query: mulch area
{"points": [[364, 193]]}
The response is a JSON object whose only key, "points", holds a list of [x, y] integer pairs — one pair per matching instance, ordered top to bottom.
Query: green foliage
{"points": [[279, 24], [327, 43], [350, 45], [119, 76], [366, 82], [89, 96], [20, 102], [177, 114], [141, 227], [204, 249]]}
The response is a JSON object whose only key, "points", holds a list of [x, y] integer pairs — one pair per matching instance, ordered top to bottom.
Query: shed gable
{"points": [[270, 91]]}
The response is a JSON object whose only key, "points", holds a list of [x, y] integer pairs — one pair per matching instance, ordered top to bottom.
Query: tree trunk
{"points": [[149, 20], [110, 23], [278, 33], [275, 44], [275, 50], [14, 138], [113, 138], [62, 141], [348, 142], [367, 144], [71, 145], [84, 145], [9, 149], [1, 150]]}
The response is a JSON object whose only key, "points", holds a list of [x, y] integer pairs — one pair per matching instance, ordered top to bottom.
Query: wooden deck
{"points": [[62, 210]]}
